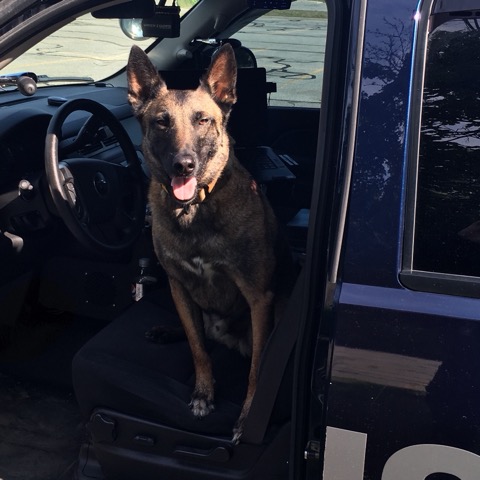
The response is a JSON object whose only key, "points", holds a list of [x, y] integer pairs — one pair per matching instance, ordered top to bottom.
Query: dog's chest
{"points": [[196, 249], [192, 260], [199, 267]]}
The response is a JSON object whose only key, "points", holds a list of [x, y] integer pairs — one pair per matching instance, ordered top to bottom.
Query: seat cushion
{"points": [[121, 370]]}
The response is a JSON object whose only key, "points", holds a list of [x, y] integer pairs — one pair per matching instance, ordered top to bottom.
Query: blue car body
{"points": [[398, 386]]}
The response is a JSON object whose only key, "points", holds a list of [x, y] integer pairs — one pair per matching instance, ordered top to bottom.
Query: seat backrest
{"points": [[275, 359]]}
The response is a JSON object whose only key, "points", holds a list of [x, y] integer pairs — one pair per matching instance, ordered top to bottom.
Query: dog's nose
{"points": [[184, 165]]}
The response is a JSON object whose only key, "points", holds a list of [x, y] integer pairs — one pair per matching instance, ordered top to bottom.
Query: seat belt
{"points": [[274, 362]]}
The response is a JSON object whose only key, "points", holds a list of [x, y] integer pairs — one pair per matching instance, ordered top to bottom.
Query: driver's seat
{"points": [[135, 395]]}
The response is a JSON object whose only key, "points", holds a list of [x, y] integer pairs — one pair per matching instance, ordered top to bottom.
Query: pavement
{"points": [[309, 5]]}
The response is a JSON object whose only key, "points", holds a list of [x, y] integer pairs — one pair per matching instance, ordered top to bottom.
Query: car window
{"points": [[290, 44], [86, 49], [73, 51], [444, 219]]}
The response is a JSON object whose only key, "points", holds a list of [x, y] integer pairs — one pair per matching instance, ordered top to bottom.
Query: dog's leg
{"points": [[261, 309], [191, 318]]}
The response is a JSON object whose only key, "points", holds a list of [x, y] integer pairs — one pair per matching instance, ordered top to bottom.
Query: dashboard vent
{"points": [[98, 146]]}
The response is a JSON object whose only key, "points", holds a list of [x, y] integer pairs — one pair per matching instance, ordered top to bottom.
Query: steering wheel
{"points": [[101, 202]]}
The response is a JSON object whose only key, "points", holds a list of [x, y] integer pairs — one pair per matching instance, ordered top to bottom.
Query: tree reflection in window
{"points": [[447, 235]]}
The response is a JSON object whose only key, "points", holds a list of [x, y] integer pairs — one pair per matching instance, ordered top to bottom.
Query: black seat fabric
{"points": [[121, 370]]}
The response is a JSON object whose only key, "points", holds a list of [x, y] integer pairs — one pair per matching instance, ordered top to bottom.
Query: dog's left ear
{"points": [[221, 77]]}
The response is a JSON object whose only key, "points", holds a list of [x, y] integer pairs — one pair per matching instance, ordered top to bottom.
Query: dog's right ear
{"points": [[144, 82]]}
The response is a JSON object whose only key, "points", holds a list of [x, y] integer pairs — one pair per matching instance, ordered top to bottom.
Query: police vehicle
{"points": [[362, 118]]}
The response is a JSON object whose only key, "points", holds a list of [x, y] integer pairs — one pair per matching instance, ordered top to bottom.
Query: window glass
{"points": [[290, 44], [73, 52], [447, 212]]}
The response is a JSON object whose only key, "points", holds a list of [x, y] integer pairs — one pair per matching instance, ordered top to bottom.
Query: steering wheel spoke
{"points": [[69, 186], [102, 203]]}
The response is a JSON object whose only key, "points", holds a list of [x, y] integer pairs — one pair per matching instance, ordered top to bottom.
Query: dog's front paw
{"points": [[201, 405], [238, 428]]}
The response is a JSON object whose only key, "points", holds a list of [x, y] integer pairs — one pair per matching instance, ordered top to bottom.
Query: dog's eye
{"points": [[201, 119], [163, 121]]}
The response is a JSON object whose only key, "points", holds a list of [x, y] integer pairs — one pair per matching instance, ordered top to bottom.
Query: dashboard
{"points": [[24, 122], [21, 151], [26, 209]]}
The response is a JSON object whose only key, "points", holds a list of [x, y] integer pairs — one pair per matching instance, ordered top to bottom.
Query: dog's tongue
{"points": [[184, 188]]}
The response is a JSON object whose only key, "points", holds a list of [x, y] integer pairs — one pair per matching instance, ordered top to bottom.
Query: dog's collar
{"points": [[203, 192]]}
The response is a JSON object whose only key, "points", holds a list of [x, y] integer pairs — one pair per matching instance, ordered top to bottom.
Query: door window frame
{"points": [[414, 279]]}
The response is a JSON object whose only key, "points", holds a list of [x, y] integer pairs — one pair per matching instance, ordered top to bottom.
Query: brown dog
{"points": [[214, 232]]}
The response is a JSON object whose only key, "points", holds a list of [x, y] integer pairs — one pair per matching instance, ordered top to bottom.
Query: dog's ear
{"points": [[221, 77], [144, 82]]}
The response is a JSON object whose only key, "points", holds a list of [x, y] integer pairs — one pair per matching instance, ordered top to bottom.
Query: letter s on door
{"points": [[418, 461]]}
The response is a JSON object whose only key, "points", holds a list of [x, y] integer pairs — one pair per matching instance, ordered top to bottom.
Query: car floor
{"points": [[41, 428]]}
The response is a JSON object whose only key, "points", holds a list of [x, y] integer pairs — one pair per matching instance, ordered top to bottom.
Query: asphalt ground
{"points": [[291, 46]]}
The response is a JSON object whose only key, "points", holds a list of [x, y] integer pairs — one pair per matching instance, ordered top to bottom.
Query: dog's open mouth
{"points": [[184, 188]]}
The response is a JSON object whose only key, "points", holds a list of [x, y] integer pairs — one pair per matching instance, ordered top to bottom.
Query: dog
{"points": [[214, 232]]}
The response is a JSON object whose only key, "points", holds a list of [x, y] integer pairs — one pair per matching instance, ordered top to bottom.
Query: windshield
{"points": [[87, 49]]}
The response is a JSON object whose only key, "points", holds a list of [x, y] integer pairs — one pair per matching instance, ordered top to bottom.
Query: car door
{"points": [[394, 385]]}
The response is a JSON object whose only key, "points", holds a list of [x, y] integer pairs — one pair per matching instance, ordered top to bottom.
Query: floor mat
{"points": [[40, 431]]}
